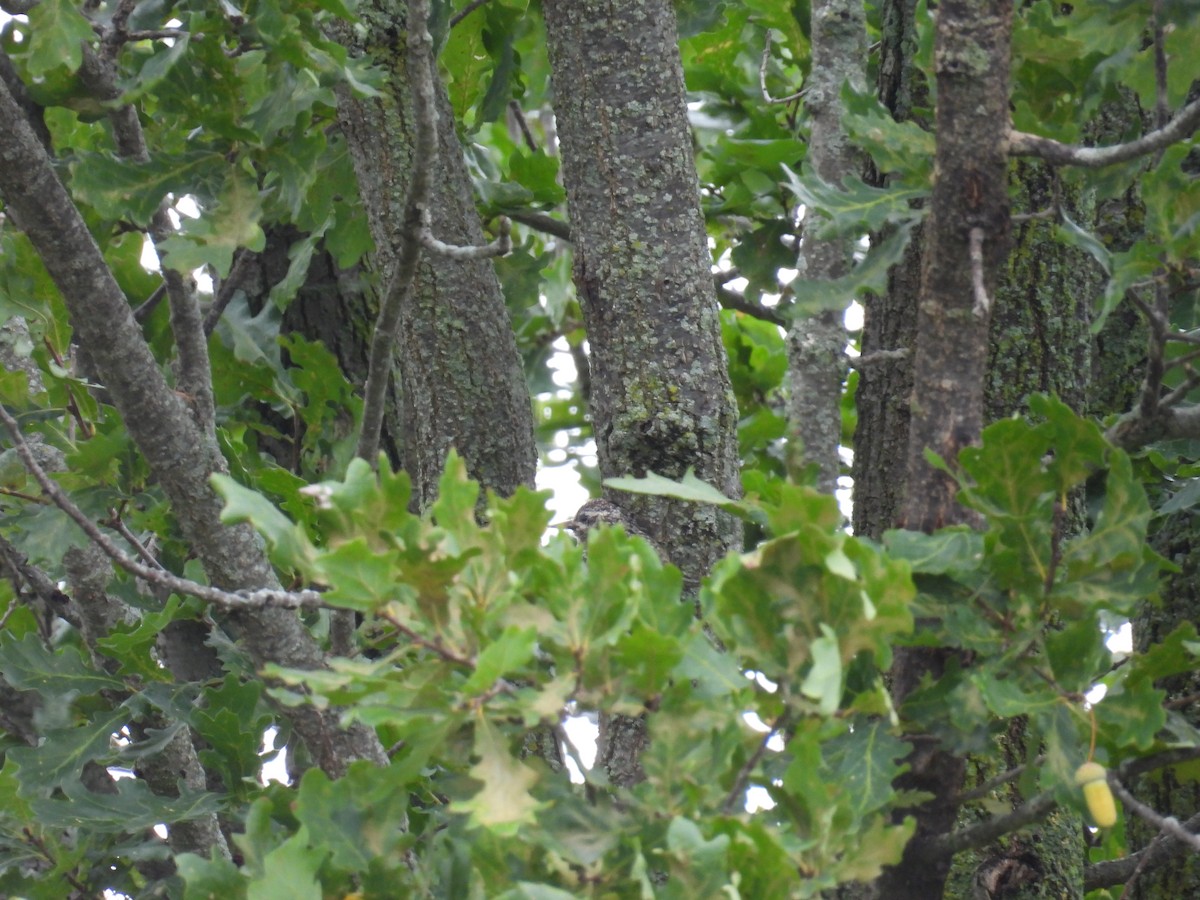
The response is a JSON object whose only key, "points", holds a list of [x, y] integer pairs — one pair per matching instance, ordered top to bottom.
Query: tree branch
{"points": [[466, 11], [762, 76], [1058, 154], [543, 223], [501, 246], [229, 285], [738, 303], [193, 376], [180, 454], [155, 574], [743, 775], [1165, 824], [988, 830], [983, 833], [1163, 848]]}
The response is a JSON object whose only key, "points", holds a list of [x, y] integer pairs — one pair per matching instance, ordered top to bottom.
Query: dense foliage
{"points": [[481, 635]]}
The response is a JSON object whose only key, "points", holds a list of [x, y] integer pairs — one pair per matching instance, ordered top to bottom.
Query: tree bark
{"points": [[966, 242], [890, 319], [817, 345], [461, 382], [661, 396], [661, 399], [181, 455], [1166, 791]]}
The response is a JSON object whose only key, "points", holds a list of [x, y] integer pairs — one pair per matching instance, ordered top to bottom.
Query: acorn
{"points": [[1093, 778]]}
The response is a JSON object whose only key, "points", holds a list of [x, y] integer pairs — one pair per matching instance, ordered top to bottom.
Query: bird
{"points": [[597, 512]]}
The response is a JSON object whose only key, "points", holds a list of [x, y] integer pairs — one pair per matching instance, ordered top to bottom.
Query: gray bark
{"points": [[816, 346], [460, 376], [661, 399], [181, 455]]}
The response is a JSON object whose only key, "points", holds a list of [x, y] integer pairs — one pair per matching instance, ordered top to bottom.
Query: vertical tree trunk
{"points": [[969, 195], [966, 240], [337, 307], [890, 320], [1039, 342], [817, 345], [461, 380], [661, 396], [1165, 791]]}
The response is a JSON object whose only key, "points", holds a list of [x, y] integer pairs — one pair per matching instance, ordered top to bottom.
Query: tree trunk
{"points": [[966, 240], [889, 320], [1039, 342], [1036, 344], [817, 345], [461, 382], [661, 396], [661, 399], [1165, 791]]}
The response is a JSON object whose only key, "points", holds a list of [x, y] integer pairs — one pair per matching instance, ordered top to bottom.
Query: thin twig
{"points": [[466, 11], [115, 37], [762, 76], [519, 114], [501, 246], [229, 286], [143, 311], [1184, 337], [1184, 359], [1177, 396], [1148, 405], [85, 426], [21, 495], [116, 523], [22, 572], [158, 577], [432, 646], [1181, 702], [565, 741], [743, 775], [991, 784], [1168, 824], [988, 830], [983, 833], [43, 848], [1143, 865], [1115, 871]]}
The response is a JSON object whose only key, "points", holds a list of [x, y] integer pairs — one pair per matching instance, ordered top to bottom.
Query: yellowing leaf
{"points": [[504, 801]]}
